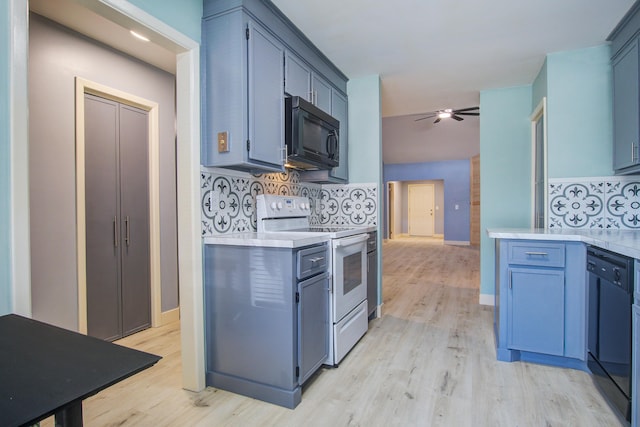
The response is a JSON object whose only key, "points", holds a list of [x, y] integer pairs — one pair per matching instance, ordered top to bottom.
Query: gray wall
{"points": [[56, 56], [439, 205]]}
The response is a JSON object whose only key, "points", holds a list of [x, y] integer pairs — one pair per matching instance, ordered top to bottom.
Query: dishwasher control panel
{"points": [[610, 266]]}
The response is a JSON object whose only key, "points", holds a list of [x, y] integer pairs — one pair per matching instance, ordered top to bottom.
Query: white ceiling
{"points": [[429, 54], [439, 54], [408, 141]]}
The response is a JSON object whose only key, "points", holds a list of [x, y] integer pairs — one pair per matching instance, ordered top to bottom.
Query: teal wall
{"points": [[183, 15], [578, 87], [539, 88], [579, 113], [365, 130], [365, 143], [5, 165], [505, 169]]}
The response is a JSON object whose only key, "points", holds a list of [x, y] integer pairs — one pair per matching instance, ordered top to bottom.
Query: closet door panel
{"points": [[134, 211], [102, 218]]}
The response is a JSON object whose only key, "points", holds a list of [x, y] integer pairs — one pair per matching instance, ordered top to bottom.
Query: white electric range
{"points": [[348, 308]]}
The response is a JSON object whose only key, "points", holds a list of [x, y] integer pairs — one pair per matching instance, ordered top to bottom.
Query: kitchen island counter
{"points": [[624, 242]]}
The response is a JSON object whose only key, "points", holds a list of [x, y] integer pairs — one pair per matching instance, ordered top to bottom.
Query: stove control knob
{"points": [[279, 205], [273, 206], [303, 206]]}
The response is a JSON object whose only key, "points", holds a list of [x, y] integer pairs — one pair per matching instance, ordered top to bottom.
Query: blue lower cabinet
{"points": [[535, 310], [540, 311]]}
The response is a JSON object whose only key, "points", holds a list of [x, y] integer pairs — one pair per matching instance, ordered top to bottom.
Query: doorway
{"points": [[421, 206], [117, 218]]}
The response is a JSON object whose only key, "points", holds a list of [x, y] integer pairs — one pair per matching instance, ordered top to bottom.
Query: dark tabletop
{"points": [[44, 369]]}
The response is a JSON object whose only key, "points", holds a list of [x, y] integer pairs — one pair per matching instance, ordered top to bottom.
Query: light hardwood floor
{"points": [[428, 361]]}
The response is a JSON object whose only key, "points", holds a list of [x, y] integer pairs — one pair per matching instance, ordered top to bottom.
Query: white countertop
{"points": [[274, 240], [624, 242]]}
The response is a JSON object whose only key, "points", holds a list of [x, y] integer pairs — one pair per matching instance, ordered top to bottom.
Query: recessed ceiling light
{"points": [[138, 36]]}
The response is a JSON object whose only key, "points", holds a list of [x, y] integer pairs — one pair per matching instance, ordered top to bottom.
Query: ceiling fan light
{"points": [[444, 114]]}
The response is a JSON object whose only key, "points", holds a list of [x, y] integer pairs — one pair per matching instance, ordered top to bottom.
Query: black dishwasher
{"points": [[609, 325]]}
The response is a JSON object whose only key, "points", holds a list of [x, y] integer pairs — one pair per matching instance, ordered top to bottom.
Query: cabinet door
{"points": [[297, 77], [321, 93], [266, 97], [625, 108], [339, 110], [535, 309], [313, 325]]}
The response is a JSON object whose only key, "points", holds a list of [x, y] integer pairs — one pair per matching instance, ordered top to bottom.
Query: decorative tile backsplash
{"points": [[228, 200], [610, 202]]}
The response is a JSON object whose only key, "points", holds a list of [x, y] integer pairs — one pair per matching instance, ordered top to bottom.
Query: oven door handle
{"points": [[348, 241]]}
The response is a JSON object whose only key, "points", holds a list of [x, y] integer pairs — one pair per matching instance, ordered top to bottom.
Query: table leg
{"points": [[71, 416]]}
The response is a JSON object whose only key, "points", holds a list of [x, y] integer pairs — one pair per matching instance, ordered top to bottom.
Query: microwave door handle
{"points": [[336, 138], [328, 144], [332, 144]]}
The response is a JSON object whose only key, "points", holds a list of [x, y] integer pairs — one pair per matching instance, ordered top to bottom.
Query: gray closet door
{"points": [[116, 177], [134, 211]]}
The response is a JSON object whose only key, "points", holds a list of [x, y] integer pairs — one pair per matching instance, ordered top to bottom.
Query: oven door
{"points": [[349, 259]]}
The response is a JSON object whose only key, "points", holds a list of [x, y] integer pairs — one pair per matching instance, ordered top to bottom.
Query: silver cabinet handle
{"points": [[126, 228], [115, 231], [537, 253], [314, 260], [510, 273]]}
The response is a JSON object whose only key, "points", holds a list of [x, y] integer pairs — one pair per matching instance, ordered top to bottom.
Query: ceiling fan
{"points": [[453, 114]]}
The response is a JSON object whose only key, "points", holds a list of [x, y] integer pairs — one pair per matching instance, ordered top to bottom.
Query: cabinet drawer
{"points": [[541, 254], [312, 261]]}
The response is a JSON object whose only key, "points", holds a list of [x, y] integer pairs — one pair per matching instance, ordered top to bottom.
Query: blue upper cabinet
{"points": [[252, 56], [297, 77], [321, 90], [626, 94], [243, 95], [266, 98], [626, 113]]}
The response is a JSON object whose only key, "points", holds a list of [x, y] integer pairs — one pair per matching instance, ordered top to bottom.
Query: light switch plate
{"points": [[223, 142]]}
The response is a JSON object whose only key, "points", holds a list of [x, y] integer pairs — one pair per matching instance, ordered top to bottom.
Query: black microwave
{"points": [[311, 135]]}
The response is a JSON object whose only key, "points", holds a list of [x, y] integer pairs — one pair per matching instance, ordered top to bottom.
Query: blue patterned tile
{"points": [[228, 201], [611, 202], [574, 206], [623, 206]]}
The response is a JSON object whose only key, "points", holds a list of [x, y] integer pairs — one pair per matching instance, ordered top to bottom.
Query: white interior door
{"points": [[421, 204]]}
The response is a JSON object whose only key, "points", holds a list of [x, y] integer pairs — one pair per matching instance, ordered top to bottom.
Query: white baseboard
{"points": [[439, 236], [457, 242], [487, 299], [379, 310], [170, 316]]}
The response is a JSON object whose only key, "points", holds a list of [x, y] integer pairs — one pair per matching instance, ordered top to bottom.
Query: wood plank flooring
{"points": [[428, 361]]}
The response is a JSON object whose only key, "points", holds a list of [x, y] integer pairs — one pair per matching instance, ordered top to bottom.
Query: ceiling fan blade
{"points": [[466, 109], [468, 114], [428, 116], [458, 118], [437, 120]]}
